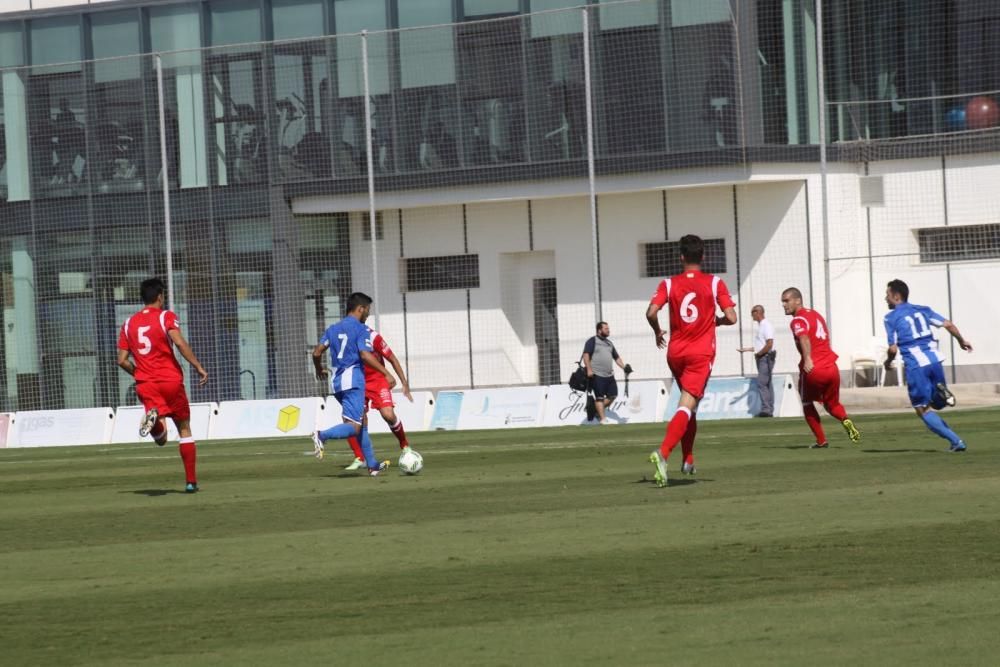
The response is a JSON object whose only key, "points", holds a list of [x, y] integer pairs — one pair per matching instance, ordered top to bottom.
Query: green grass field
{"points": [[539, 547]]}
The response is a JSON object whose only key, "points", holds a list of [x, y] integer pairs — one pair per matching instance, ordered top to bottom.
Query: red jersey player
{"points": [[692, 298], [149, 336], [819, 378], [378, 395]]}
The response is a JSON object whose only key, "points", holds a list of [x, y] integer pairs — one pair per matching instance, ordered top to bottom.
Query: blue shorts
{"points": [[921, 382], [604, 387], [352, 404]]}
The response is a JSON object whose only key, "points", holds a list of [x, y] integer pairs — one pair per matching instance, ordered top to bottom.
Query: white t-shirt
{"points": [[764, 332]]}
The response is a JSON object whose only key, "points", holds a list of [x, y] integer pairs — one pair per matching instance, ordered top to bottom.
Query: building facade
{"points": [[705, 118]]}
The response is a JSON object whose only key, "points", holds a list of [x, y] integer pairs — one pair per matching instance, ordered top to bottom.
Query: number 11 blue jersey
{"points": [[909, 327]]}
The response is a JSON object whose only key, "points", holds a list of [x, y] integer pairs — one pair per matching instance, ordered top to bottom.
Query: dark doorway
{"points": [[547, 330]]}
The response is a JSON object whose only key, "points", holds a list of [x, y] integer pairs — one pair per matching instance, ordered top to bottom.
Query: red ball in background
{"points": [[981, 113]]}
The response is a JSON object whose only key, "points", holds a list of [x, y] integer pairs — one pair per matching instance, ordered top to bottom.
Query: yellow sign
{"points": [[288, 418]]}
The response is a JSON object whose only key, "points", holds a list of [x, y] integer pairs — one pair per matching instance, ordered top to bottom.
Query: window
{"points": [[480, 8], [178, 28], [301, 90], [56, 108], [117, 138], [14, 184], [366, 227], [959, 243], [663, 259], [422, 274]]}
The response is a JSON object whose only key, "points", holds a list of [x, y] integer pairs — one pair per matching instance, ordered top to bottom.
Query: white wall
{"points": [[780, 244]]}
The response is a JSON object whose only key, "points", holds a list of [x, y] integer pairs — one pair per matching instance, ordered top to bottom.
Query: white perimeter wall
{"points": [[774, 239]]}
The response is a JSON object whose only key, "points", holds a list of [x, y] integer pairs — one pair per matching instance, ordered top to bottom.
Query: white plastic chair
{"points": [[871, 358]]}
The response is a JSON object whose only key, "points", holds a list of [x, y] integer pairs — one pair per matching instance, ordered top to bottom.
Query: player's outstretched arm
{"points": [[653, 317], [950, 327], [182, 345], [317, 357], [369, 359], [125, 363], [398, 367]]}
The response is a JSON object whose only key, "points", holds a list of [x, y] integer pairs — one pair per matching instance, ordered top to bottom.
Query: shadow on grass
{"points": [[902, 451], [672, 481], [152, 493]]}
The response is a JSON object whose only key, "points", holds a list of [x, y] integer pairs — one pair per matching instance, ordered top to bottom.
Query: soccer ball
{"points": [[410, 461]]}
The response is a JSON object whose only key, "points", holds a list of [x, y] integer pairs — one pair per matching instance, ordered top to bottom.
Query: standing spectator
{"points": [[764, 354], [599, 357]]}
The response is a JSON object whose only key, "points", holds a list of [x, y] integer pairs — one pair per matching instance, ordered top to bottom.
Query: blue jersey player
{"points": [[908, 328], [349, 343]]}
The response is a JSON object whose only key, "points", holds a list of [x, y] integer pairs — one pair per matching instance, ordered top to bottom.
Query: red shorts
{"points": [[691, 372], [822, 384], [377, 395], [169, 399]]}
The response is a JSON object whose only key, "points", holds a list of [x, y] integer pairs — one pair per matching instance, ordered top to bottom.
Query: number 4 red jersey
{"points": [[692, 297], [808, 322], [145, 336]]}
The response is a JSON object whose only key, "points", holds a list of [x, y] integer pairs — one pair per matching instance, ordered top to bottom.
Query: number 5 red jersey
{"points": [[693, 298], [808, 322], [145, 336]]}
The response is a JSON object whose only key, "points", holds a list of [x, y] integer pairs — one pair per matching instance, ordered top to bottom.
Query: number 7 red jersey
{"points": [[693, 298], [808, 322], [145, 336]]}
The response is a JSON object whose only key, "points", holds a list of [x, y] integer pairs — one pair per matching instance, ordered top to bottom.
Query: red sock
{"points": [[836, 410], [812, 418], [397, 430], [675, 431], [687, 442], [356, 447], [188, 455]]}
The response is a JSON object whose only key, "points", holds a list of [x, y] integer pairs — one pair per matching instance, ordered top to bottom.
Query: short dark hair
{"points": [[692, 249], [900, 288], [150, 290], [794, 291], [357, 300], [600, 324]]}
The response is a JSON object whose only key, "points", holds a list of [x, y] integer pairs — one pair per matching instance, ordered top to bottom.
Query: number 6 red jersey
{"points": [[693, 298], [144, 335]]}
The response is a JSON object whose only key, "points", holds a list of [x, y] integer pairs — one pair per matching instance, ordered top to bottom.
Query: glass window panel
{"points": [[487, 7], [697, 12], [353, 16], [618, 16], [293, 19], [235, 22], [557, 23], [172, 28], [176, 28], [115, 34], [56, 40], [11, 44], [427, 56]]}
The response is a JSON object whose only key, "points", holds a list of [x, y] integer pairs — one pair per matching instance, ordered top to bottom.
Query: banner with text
{"points": [[738, 398], [644, 404], [509, 407], [59, 428]]}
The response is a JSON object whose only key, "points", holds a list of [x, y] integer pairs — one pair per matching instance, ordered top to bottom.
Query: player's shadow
{"points": [[788, 447], [901, 451], [346, 475], [671, 481], [152, 493]]}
